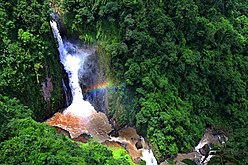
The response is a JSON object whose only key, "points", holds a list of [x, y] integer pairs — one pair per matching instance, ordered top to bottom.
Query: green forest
{"points": [[180, 66]]}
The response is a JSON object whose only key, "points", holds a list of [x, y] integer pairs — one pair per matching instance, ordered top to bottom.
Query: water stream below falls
{"points": [[80, 116]]}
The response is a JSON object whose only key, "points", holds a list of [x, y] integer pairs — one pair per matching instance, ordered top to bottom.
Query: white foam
{"points": [[72, 63], [148, 157]]}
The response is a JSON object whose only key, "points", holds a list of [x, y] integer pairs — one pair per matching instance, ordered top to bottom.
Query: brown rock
{"points": [[68, 122], [96, 125], [99, 126], [62, 131], [130, 135], [82, 138], [112, 144], [133, 152]]}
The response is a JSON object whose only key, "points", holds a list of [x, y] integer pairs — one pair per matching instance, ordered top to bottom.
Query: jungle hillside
{"points": [[179, 67]]}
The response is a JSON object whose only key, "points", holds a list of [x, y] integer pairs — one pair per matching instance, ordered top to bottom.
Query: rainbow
{"points": [[102, 85]]}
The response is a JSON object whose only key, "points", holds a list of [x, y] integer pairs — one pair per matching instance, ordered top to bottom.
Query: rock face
{"points": [[92, 81], [47, 88], [96, 125]]}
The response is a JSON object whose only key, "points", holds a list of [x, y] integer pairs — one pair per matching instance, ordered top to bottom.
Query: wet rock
{"points": [[92, 82], [47, 88], [96, 125], [99, 126], [62, 131], [114, 133], [129, 134], [82, 138], [112, 143], [138, 145], [204, 150], [133, 152]]}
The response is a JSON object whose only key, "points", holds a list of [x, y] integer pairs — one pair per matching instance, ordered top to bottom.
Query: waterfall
{"points": [[72, 59]]}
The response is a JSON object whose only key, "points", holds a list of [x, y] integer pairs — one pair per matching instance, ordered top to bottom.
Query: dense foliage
{"points": [[28, 55], [184, 61], [10, 109], [35, 143], [237, 145]]}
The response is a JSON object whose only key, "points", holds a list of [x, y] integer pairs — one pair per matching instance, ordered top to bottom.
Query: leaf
{"points": [[189, 162]]}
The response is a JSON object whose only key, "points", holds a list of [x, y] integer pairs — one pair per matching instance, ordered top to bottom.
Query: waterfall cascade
{"points": [[73, 59], [80, 117]]}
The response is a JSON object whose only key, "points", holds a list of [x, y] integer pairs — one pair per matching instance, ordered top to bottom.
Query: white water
{"points": [[73, 58], [147, 154], [148, 157]]}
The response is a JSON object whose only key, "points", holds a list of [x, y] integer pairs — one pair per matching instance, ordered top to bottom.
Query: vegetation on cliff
{"points": [[29, 56]]}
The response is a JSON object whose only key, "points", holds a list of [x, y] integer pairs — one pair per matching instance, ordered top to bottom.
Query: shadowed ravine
{"points": [[81, 117]]}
